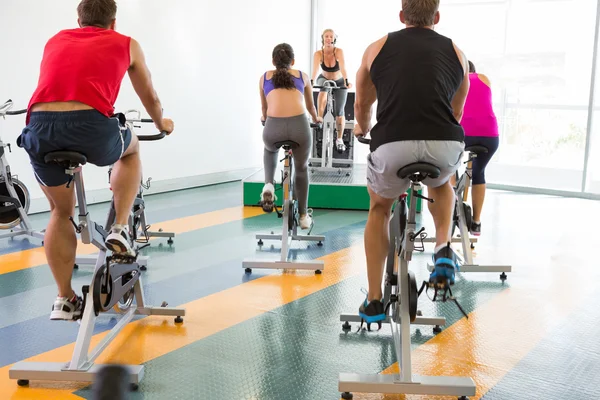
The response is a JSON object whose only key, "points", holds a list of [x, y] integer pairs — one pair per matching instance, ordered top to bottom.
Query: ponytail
{"points": [[283, 55]]}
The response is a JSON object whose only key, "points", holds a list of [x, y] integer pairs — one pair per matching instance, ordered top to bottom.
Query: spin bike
{"points": [[327, 162], [14, 196], [290, 218], [463, 219], [138, 227], [116, 284], [401, 304]]}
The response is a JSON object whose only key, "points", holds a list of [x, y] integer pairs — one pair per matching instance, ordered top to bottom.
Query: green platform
{"points": [[325, 190]]}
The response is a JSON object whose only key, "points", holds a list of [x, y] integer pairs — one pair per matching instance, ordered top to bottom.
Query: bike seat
{"points": [[287, 144], [477, 149], [67, 159], [416, 172]]}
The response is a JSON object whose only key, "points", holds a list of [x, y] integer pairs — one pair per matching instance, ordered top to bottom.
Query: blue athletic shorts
{"points": [[102, 140]]}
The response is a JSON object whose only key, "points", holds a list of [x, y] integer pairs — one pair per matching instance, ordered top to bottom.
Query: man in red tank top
{"points": [[72, 109]]}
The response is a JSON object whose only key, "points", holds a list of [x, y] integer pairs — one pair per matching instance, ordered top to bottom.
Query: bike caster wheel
{"points": [[170, 241], [260, 242], [320, 244], [472, 246], [75, 266], [143, 268], [248, 270], [318, 272], [503, 277], [178, 320], [346, 326], [437, 329], [23, 382], [134, 387], [347, 396], [463, 398]]}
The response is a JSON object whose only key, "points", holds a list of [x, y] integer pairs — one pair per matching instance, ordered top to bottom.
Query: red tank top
{"points": [[85, 65]]}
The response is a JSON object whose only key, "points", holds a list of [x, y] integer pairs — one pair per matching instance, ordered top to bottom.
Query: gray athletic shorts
{"points": [[383, 164]]}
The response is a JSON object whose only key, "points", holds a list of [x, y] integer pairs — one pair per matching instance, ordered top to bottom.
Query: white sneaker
{"points": [[340, 145], [267, 197], [306, 220], [119, 241], [67, 310]]}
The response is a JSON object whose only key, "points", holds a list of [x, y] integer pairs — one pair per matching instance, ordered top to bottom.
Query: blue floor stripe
{"points": [[160, 207], [40, 334], [564, 365]]}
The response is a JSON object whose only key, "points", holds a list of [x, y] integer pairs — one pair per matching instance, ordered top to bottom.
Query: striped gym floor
{"points": [[277, 335]]}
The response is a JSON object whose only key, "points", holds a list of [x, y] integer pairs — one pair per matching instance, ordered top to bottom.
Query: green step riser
{"points": [[321, 196]]}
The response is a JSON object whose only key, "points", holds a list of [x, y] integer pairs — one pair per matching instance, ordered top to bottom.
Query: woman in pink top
{"points": [[481, 128]]}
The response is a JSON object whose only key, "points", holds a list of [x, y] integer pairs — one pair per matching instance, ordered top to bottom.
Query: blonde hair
{"points": [[420, 12], [323, 34]]}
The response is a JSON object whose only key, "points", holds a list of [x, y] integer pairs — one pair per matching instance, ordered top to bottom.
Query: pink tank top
{"points": [[479, 118]]}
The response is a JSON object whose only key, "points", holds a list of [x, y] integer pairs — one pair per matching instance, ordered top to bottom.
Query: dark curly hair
{"points": [[283, 55]]}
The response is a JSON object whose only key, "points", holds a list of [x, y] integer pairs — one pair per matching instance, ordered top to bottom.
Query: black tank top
{"points": [[416, 74]]}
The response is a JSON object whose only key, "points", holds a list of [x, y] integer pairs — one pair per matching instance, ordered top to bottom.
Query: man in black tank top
{"points": [[419, 79]]}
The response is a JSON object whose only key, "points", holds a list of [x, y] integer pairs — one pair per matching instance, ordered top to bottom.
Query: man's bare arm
{"points": [[142, 84], [366, 95], [458, 101]]}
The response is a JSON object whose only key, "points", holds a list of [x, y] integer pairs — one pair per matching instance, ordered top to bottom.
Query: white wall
{"points": [[357, 26], [206, 58]]}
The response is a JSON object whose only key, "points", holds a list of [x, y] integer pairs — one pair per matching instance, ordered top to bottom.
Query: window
{"points": [[538, 56], [592, 184]]}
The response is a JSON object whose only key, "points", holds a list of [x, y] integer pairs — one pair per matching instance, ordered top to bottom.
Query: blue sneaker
{"points": [[445, 266], [372, 312]]}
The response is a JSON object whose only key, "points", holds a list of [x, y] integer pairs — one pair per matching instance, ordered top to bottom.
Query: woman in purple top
{"points": [[285, 95], [481, 128]]}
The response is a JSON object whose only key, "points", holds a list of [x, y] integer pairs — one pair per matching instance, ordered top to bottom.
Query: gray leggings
{"points": [[339, 96], [298, 130]]}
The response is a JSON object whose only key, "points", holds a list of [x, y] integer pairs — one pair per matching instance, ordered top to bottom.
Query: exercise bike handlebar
{"points": [[330, 84], [331, 87], [4, 109], [16, 112], [145, 138], [150, 138], [363, 139]]}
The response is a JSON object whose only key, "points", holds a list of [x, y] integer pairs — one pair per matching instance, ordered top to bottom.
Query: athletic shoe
{"points": [[341, 147], [267, 198], [306, 220], [476, 229], [119, 242], [445, 265], [67, 310], [372, 311]]}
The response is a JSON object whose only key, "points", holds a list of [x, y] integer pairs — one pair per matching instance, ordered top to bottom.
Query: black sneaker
{"points": [[476, 228], [446, 263], [64, 309], [372, 311]]}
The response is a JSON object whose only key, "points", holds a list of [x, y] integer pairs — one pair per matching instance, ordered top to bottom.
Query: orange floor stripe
{"points": [[35, 257], [498, 334], [153, 337], [494, 339]]}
